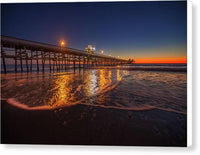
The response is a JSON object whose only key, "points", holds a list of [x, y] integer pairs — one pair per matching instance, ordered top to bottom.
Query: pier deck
{"points": [[58, 58]]}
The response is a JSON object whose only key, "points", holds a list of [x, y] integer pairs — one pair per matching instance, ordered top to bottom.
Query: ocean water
{"points": [[11, 67], [105, 87]]}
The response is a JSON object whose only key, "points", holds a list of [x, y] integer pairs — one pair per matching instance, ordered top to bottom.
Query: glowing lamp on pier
{"points": [[62, 43], [102, 52]]}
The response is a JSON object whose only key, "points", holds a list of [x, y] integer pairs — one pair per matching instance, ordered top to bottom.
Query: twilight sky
{"points": [[147, 31]]}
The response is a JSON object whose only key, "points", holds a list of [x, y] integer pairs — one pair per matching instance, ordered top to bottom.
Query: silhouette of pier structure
{"points": [[57, 57]]}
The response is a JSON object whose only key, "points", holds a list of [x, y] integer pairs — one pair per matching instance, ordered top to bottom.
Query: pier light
{"points": [[62, 43], [102, 52], [118, 56]]}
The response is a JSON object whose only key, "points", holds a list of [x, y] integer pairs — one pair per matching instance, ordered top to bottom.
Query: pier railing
{"points": [[58, 58]]}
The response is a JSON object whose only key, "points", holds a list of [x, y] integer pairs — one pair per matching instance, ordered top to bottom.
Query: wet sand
{"points": [[90, 125]]}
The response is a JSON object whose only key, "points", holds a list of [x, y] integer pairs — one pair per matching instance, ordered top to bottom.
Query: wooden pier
{"points": [[58, 58]]}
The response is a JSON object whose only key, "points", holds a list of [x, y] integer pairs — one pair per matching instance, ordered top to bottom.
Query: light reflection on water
{"points": [[106, 87], [57, 88]]}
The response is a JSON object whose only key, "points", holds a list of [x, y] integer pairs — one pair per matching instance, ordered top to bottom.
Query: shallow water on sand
{"points": [[109, 88]]}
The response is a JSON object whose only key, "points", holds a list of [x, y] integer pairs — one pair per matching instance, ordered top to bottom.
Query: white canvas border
{"points": [[189, 73]]}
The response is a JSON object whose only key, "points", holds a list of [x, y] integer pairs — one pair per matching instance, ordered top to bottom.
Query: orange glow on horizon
{"points": [[160, 54], [161, 60]]}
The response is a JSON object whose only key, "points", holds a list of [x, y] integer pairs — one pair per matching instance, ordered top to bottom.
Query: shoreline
{"points": [[90, 125]]}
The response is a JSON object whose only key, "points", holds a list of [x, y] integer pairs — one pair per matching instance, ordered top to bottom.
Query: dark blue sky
{"points": [[125, 29]]}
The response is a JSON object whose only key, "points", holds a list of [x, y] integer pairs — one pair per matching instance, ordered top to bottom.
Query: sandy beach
{"points": [[95, 107], [89, 125]]}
